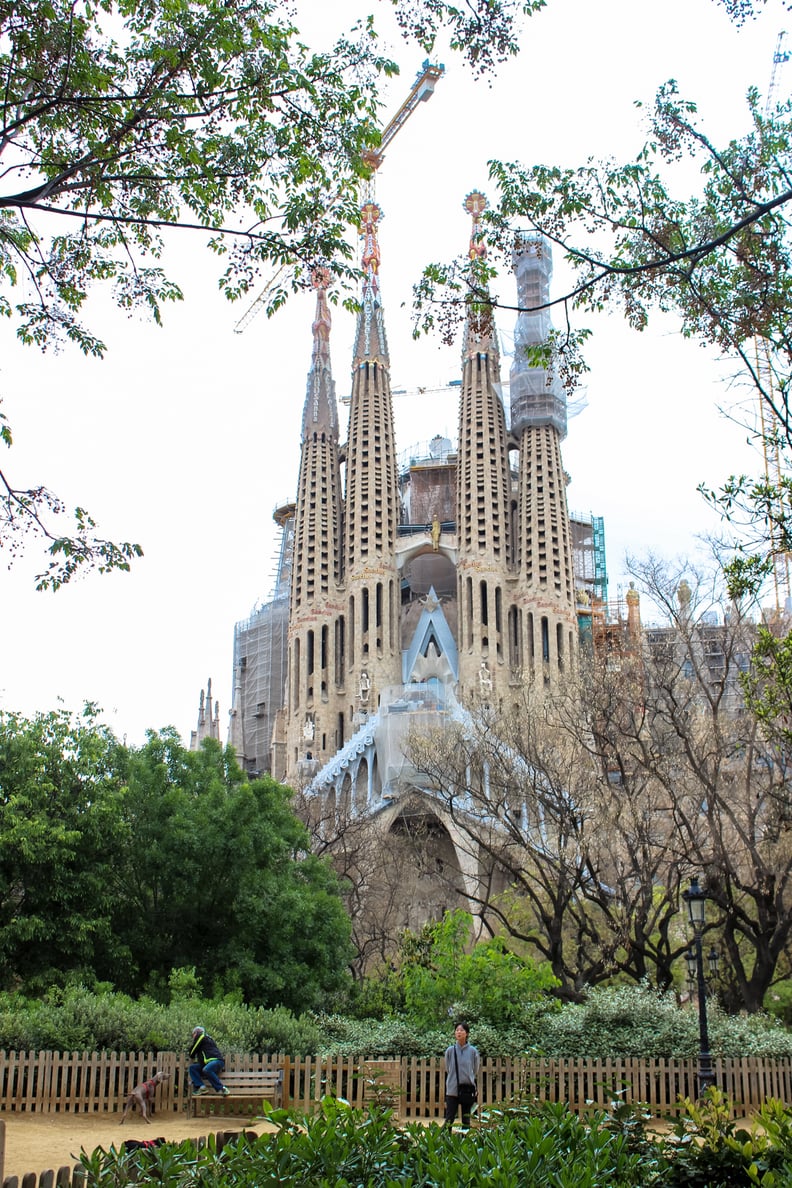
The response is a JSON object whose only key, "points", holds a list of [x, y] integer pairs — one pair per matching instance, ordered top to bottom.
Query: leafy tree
{"points": [[121, 118], [638, 242], [719, 260], [767, 685], [59, 786], [122, 865], [216, 874], [442, 975]]}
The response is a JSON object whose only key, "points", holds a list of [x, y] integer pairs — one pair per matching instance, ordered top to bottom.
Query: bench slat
{"points": [[250, 1078], [246, 1087]]}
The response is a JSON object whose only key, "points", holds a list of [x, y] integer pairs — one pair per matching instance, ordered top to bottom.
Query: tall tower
{"points": [[483, 496], [316, 598], [542, 627], [370, 633], [260, 659], [208, 719]]}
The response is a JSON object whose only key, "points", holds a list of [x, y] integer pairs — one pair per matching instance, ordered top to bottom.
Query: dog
{"points": [[142, 1096], [131, 1145]]}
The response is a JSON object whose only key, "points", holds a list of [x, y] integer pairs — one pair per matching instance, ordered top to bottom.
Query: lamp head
{"points": [[695, 899], [690, 961]]}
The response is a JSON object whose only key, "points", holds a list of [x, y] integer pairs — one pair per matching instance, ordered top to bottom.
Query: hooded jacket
{"points": [[204, 1049]]}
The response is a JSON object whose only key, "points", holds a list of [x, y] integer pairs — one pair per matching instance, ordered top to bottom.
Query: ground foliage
{"points": [[76, 1019], [619, 1021], [514, 1143]]}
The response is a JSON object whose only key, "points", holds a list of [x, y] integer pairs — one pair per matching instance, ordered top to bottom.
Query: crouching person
{"points": [[208, 1063]]}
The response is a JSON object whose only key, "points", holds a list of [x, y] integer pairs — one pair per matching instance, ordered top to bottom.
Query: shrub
{"points": [[76, 1019], [620, 1021], [640, 1021]]}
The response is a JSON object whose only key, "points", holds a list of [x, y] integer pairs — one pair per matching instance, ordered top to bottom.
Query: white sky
{"points": [[186, 438]]}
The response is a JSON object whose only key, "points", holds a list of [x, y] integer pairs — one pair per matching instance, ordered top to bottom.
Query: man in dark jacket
{"points": [[209, 1063]]}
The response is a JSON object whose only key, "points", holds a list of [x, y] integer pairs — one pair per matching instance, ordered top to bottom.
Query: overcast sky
{"points": [[186, 437]]}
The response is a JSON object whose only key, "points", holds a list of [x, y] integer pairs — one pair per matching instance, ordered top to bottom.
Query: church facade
{"points": [[408, 595]]}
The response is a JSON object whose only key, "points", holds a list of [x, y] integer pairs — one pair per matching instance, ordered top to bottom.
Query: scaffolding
{"points": [[537, 397], [778, 512], [588, 557], [260, 658]]}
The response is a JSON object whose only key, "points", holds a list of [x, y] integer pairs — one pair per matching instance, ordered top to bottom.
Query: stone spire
{"points": [[479, 331], [370, 343], [321, 410], [483, 488], [372, 490], [317, 552], [543, 555], [208, 719]]}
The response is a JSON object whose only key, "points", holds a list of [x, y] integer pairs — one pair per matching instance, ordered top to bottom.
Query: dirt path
{"points": [[36, 1142]]}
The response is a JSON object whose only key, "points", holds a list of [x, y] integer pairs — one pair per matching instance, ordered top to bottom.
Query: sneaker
{"points": [[202, 1089], [226, 1092]]}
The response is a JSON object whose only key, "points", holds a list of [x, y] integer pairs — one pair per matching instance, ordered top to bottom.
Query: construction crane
{"points": [[780, 56], [422, 90], [255, 308], [765, 374], [435, 390]]}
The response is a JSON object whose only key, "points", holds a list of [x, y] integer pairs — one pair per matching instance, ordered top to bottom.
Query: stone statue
{"points": [[435, 533], [364, 686]]}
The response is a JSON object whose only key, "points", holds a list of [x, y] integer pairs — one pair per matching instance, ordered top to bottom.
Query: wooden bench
{"points": [[248, 1091]]}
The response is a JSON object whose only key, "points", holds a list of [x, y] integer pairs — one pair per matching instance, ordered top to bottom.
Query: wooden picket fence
{"points": [[98, 1082]]}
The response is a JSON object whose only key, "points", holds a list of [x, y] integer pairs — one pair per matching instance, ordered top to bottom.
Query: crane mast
{"points": [[421, 90], [773, 471]]}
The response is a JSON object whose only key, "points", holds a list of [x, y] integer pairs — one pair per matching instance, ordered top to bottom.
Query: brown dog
{"points": [[142, 1096]]}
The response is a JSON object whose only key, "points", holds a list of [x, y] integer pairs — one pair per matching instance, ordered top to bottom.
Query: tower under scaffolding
{"points": [[778, 510], [591, 575], [608, 628], [616, 628], [260, 660]]}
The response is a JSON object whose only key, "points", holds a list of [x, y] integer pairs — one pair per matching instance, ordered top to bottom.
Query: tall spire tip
{"points": [[475, 204]]}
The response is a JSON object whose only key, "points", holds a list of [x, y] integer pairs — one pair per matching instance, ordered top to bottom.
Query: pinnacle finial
{"points": [[475, 204], [370, 214], [320, 279]]}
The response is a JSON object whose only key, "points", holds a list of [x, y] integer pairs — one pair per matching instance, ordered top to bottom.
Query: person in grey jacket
{"points": [[462, 1065]]}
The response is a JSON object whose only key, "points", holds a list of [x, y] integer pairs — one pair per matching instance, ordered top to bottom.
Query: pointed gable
{"points": [[432, 630]]}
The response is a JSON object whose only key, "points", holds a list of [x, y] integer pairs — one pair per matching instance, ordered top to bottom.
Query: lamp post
{"points": [[695, 899]]}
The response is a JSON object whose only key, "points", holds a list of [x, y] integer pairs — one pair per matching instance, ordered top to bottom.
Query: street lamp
{"points": [[695, 899], [690, 961]]}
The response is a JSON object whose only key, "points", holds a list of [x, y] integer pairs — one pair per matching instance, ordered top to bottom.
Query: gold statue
{"points": [[435, 533]]}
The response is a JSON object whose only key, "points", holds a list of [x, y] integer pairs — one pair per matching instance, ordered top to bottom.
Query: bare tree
{"points": [[587, 811]]}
